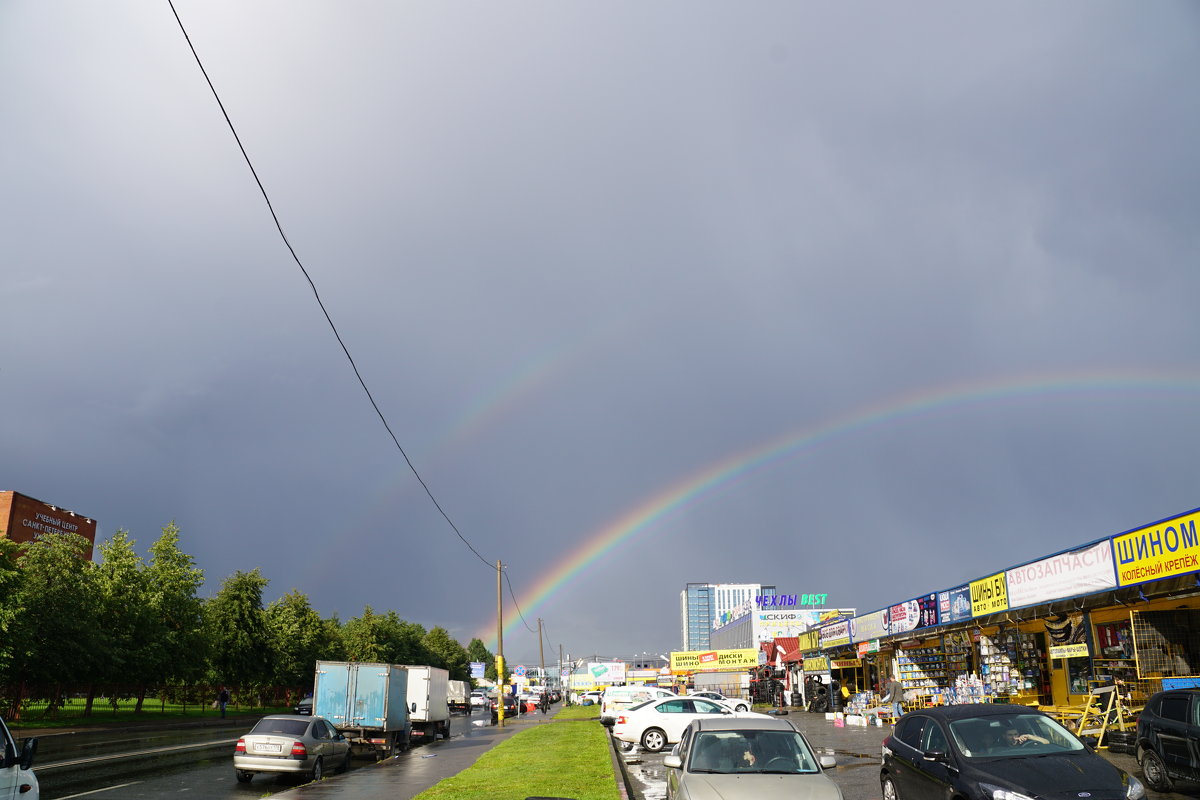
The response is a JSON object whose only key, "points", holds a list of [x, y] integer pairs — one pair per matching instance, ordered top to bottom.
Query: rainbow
{"points": [[694, 487]]}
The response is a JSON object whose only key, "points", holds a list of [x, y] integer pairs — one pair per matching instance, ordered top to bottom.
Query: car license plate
{"points": [[270, 748]]}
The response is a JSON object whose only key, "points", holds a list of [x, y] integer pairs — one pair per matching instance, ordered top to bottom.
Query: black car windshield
{"points": [[281, 727], [1014, 736], [744, 751]]}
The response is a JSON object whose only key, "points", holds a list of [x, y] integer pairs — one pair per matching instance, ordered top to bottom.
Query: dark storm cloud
{"points": [[581, 252]]}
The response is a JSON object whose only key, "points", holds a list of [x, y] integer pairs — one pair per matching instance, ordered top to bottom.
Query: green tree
{"points": [[11, 610], [237, 626], [129, 630], [298, 639], [362, 639], [385, 639], [55, 640], [180, 650], [447, 652]]}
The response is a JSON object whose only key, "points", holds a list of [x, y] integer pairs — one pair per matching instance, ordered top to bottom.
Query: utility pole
{"points": [[499, 645], [541, 653]]}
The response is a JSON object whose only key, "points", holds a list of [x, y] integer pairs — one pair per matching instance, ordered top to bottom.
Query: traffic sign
{"points": [[519, 671]]}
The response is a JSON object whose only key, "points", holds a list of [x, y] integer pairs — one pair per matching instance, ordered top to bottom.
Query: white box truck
{"points": [[458, 694], [428, 706]]}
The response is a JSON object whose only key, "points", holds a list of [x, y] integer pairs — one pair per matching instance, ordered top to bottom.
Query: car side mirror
{"points": [[414, 708], [726, 711], [28, 749], [938, 756], [673, 761], [827, 762]]}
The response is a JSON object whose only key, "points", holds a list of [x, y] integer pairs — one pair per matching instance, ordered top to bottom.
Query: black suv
{"points": [[1168, 738]]}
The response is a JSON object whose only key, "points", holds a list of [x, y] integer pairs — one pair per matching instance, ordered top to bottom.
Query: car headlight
{"points": [[1133, 788], [1000, 793]]}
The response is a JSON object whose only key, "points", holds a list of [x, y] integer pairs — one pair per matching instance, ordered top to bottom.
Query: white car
{"points": [[618, 698], [478, 699], [736, 703], [657, 723], [16, 773]]}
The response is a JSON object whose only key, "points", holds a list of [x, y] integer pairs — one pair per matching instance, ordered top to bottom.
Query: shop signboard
{"points": [[1157, 551], [1083, 571], [989, 595], [954, 605], [928, 610], [903, 617], [780, 623], [869, 626], [834, 634], [868, 647], [1068, 650], [714, 660], [845, 663], [816, 664], [607, 671]]}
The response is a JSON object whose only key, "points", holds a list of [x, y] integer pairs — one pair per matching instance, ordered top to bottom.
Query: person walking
{"points": [[894, 694], [222, 700]]}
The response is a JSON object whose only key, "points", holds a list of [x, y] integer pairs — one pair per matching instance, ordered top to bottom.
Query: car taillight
{"points": [[621, 719], [240, 747], [299, 750]]}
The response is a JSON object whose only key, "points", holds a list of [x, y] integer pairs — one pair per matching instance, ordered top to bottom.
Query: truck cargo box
{"points": [[367, 702], [427, 702]]}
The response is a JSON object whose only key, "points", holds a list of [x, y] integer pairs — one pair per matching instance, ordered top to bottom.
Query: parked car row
{"points": [[984, 751]]}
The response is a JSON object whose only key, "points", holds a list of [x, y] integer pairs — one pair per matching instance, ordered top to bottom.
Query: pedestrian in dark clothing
{"points": [[223, 700], [544, 703]]}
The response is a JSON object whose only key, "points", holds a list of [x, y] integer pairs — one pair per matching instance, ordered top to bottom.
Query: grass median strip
{"points": [[566, 757]]}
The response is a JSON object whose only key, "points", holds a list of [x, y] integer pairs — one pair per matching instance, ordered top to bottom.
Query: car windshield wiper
{"points": [[711, 771]]}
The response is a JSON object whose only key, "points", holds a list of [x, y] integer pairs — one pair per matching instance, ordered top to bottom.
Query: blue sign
{"points": [[477, 669], [519, 671]]}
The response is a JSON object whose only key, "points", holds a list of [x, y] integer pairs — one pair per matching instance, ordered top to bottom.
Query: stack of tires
{"points": [[1121, 741]]}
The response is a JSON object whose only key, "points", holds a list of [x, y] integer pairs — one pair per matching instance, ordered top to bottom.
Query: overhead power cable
{"points": [[317, 294], [524, 621]]}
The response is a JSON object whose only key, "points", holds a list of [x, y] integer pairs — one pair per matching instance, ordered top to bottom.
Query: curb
{"points": [[624, 784]]}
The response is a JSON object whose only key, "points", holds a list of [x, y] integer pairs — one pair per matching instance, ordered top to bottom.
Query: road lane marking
{"points": [[97, 791]]}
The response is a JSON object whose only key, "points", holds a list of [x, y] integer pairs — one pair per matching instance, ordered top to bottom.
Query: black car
{"points": [[303, 707], [511, 708], [1168, 738], [985, 751]]}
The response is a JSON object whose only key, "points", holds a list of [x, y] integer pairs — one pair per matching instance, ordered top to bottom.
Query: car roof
{"points": [[968, 710], [302, 717], [759, 723]]}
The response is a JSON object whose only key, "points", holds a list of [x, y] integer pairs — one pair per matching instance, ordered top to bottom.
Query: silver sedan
{"points": [[307, 746]]}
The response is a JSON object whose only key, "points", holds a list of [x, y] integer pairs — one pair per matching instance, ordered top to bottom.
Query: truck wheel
{"points": [[446, 729], [243, 776]]}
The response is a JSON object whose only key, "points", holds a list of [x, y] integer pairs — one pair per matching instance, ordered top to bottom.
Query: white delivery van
{"points": [[618, 698], [16, 767]]}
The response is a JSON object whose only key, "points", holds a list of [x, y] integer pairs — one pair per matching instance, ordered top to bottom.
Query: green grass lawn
{"points": [[153, 712], [566, 757]]}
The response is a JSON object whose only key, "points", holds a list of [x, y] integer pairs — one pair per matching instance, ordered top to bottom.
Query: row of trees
{"points": [[122, 623]]}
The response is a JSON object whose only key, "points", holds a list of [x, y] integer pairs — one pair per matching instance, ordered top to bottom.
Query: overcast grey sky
{"points": [[945, 254]]}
